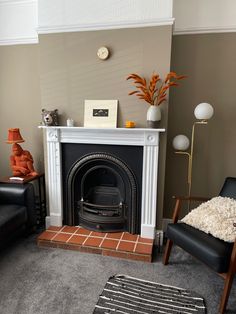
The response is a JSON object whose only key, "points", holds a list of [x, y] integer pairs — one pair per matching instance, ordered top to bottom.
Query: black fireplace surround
{"points": [[101, 187]]}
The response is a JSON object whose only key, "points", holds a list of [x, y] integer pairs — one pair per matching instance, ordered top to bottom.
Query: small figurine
{"points": [[50, 117], [21, 161]]}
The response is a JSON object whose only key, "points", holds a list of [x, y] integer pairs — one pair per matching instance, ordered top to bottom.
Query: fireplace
{"points": [[103, 179], [101, 189]]}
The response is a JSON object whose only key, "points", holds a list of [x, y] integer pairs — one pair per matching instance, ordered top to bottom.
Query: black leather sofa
{"points": [[17, 210]]}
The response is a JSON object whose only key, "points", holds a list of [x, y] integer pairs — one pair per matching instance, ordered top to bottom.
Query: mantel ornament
{"points": [[154, 93]]}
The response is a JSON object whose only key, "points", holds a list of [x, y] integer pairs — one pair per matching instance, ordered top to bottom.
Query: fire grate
{"points": [[101, 210]]}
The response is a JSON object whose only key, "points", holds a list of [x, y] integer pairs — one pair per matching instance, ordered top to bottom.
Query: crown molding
{"points": [[17, 2], [18, 20], [106, 26], [204, 30], [18, 41]]}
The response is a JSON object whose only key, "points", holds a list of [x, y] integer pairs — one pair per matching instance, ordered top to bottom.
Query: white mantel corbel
{"points": [[147, 138]]}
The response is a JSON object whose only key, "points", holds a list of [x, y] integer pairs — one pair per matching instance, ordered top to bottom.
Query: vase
{"points": [[153, 116]]}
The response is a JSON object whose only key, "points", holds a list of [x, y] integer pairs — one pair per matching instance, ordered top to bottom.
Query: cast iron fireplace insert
{"points": [[101, 192]]}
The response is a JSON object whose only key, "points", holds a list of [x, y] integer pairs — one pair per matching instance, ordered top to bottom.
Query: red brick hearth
{"points": [[120, 244]]}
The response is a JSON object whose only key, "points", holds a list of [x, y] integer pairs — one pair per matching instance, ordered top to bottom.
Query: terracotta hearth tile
{"points": [[54, 228], [69, 229], [83, 231], [98, 234], [46, 235], [114, 235], [61, 237], [129, 237], [77, 239], [144, 240], [91, 241], [43, 243], [109, 244], [118, 244], [68, 246], [126, 246], [73, 247], [143, 248], [90, 249], [114, 253], [126, 255], [140, 257]]}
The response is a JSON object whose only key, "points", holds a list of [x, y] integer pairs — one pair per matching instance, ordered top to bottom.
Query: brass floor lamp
{"points": [[203, 112]]}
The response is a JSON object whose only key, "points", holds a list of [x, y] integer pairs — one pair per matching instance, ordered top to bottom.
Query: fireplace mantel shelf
{"points": [[101, 129], [107, 136], [146, 137]]}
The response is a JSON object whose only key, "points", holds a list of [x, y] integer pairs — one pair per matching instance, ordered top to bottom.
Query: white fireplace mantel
{"points": [[147, 138]]}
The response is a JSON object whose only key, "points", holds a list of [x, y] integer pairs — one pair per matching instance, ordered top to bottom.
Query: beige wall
{"points": [[209, 61], [63, 70], [71, 72], [20, 101]]}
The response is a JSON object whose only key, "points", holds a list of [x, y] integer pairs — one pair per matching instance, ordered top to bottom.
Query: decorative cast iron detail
{"points": [[111, 212]]}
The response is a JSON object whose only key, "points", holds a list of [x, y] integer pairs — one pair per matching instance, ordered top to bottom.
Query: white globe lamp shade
{"points": [[204, 111], [180, 142]]}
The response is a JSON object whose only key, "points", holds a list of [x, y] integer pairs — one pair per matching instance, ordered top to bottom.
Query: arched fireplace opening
{"points": [[101, 194]]}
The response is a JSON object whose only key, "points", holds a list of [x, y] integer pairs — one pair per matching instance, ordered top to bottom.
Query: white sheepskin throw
{"points": [[215, 217]]}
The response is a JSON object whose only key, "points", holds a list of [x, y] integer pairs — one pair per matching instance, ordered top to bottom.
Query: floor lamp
{"points": [[203, 112]]}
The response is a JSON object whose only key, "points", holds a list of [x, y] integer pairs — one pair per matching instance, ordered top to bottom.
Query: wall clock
{"points": [[103, 53]]}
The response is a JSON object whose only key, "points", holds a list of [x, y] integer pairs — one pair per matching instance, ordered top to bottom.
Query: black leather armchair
{"points": [[17, 210], [217, 254]]}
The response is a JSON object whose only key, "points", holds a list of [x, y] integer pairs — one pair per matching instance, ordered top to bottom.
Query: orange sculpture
{"points": [[21, 161]]}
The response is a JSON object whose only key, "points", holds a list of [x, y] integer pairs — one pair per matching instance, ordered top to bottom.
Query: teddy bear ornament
{"points": [[50, 117]]}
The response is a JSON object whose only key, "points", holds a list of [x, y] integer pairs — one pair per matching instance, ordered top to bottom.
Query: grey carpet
{"points": [[38, 281]]}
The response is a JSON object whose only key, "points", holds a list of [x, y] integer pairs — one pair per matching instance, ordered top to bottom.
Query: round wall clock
{"points": [[103, 53]]}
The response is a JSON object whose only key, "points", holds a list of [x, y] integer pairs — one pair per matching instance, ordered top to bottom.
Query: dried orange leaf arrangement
{"points": [[154, 92]]}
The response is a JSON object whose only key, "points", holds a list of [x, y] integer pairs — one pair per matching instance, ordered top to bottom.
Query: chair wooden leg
{"points": [[169, 244], [228, 280], [226, 291]]}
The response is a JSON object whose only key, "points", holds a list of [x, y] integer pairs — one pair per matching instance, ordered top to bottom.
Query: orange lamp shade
{"points": [[14, 136]]}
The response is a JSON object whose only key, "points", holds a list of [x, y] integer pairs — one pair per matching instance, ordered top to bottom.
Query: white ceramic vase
{"points": [[153, 116]]}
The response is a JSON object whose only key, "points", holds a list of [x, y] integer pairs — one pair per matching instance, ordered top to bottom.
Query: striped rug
{"points": [[128, 295]]}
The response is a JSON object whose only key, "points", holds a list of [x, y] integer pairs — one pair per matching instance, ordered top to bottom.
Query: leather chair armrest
{"points": [[13, 193], [192, 198], [178, 204]]}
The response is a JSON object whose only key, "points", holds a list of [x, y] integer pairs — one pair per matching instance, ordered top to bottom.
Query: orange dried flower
{"points": [[154, 93]]}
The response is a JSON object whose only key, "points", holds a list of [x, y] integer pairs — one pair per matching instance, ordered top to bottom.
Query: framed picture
{"points": [[100, 113]]}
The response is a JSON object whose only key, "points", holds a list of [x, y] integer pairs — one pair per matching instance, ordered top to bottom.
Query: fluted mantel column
{"points": [[54, 177], [149, 184]]}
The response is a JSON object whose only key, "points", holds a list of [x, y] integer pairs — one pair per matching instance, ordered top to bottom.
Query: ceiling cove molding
{"points": [[17, 2], [18, 22], [100, 26], [204, 30], [18, 41]]}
